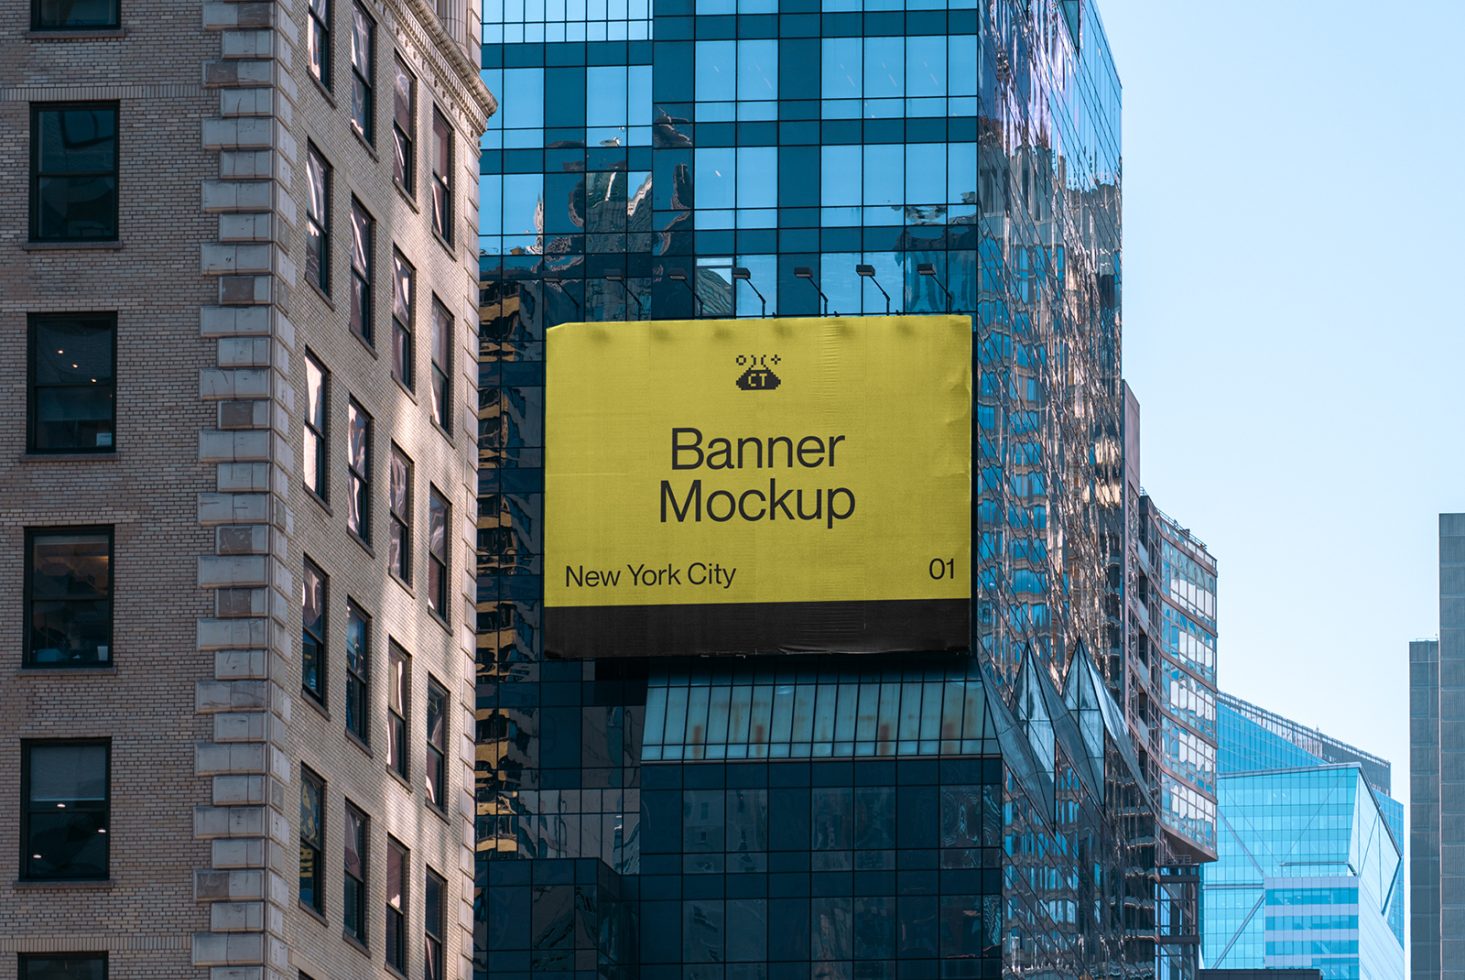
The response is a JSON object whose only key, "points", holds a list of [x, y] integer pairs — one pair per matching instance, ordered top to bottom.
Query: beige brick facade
{"points": [[201, 698]]}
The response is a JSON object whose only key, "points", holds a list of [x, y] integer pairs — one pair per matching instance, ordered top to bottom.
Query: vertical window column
{"points": [[318, 42], [363, 73], [404, 128], [442, 176], [318, 220], [363, 269], [404, 278], [442, 365], [314, 438], [358, 471], [438, 522], [399, 545], [313, 594], [358, 672], [399, 692], [437, 744], [312, 840], [398, 874], [353, 875], [434, 925]]}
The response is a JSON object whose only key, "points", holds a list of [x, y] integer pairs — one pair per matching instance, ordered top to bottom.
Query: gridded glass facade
{"points": [[684, 158], [1310, 861]]}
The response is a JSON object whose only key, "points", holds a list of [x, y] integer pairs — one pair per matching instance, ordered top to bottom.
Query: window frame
{"points": [[37, 26], [320, 26], [366, 129], [404, 141], [35, 176], [442, 178], [320, 224], [362, 314], [34, 321], [404, 331], [441, 408], [321, 437], [358, 481], [400, 525], [28, 593], [439, 593], [358, 682], [320, 695], [399, 719], [435, 754], [310, 777], [26, 806], [361, 903], [394, 926], [434, 941], [23, 961]]}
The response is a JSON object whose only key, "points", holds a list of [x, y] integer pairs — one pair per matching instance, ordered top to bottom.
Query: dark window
{"points": [[74, 15], [319, 41], [363, 73], [404, 128], [74, 172], [442, 176], [318, 220], [363, 231], [404, 279], [442, 364], [72, 389], [317, 426], [358, 471], [438, 519], [399, 547], [313, 593], [69, 595], [358, 670], [399, 673], [437, 744], [65, 787], [312, 840], [398, 874], [353, 877], [434, 925], [63, 966]]}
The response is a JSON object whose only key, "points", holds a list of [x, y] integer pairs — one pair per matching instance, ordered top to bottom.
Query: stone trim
{"points": [[89, 93]]}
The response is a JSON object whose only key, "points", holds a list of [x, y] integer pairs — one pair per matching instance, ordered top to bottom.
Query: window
{"points": [[74, 15], [319, 41], [363, 73], [404, 128], [74, 172], [442, 176], [318, 220], [363, 231], [404, 279], [73, 359], [442, 363], [317, 426], [358, 471], [399, 548], [437, 552], [313, 586], [69, 597], [358, 670], [399, 674], [437, 744], [66, 791], [312, 840], [398, 871], [353, 875], [435, 925], [63, 966]]}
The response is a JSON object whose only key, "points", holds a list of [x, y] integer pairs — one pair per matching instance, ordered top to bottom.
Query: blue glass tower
{"points": [[839, 816], [1310, 870]]}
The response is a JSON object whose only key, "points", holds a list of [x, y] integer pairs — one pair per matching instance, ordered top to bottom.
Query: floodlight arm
{"points": [[928, 270], [804, 272], [868, 272], [741, 274], [676, 275], [620, 278]]}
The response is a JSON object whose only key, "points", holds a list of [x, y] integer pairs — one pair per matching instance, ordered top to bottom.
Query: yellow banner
{"points": [[819, 460]]}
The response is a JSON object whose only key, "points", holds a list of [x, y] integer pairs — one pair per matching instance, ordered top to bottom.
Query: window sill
{"points": [[71, 34], [325, 93], [365, 143], [407, 196], [447, 245], [112, 246], [325, 297], [370, 347], [405, 390], [68, 457], [320, 501], [371, 552], [406, 585], [447, 626], [106, 670], [309, 699], [360, 743], [401, 779], [438, 812], [39, 884], [313, 913], [356, 944]]}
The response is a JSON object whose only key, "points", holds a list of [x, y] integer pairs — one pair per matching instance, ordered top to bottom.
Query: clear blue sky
{"points": [[1294, 274]]}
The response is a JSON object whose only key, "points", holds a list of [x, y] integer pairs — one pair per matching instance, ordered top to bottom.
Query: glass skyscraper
{"points": [[839, 817], [1310, 865]]}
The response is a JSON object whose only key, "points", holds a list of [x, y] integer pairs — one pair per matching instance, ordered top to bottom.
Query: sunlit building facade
{"points": [[975, 816], [1310, 867]]}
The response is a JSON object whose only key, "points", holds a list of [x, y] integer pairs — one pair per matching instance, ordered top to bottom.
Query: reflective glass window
{"points": [[74, 15], [318, 41], [363, 73], [404, 127], [442, 176], [73, 192], [318, 220], [363, 262], [404, 292], [442, 363], [72, 388], [315, 437], [358, 471], [399, 501], [437, 552], [313, 592], [69, 595], [358, 671], [399, 674], [437, 745], [66, 803], [353, 874], [398, 875], [434, 925], [63, 966]]}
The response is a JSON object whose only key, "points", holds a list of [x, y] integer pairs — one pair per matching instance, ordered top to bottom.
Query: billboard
{"points": [[758, 486]]}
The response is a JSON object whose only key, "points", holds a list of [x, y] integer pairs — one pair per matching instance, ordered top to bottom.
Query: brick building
{"points": [[238, 317]]}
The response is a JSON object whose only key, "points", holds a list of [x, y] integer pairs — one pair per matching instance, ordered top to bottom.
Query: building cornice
{"points": [[472, 96]]}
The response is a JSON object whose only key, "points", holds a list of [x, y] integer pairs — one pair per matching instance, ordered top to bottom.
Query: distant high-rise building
{"points": [[237, 325], [1437, 774], [1309, 870]]}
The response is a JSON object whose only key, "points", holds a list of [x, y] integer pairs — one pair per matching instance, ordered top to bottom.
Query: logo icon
{"points": [[758, 372]]}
